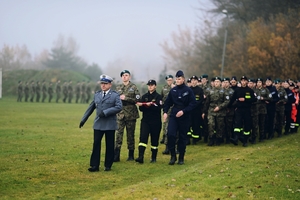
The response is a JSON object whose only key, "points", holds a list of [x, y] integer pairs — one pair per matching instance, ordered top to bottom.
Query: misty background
{"points": [[110, 35]]}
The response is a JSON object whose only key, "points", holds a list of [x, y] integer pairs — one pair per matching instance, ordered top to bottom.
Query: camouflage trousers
{"points": [[57, 97], [279, 121], [216, 125], [261, 125], [254, 128], [130, 129], [165, 130]]}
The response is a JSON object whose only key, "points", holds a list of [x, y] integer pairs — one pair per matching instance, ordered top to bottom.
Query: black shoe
{"points": [[234, 141], [245, 144], [166, 152], [130, 158], [139, 160], [153, 160], [173, 160], [180, 162], [93, 169], [107, 169]]}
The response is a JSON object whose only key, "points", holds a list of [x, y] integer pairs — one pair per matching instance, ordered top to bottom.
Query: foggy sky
{"points": [[106, 30]]}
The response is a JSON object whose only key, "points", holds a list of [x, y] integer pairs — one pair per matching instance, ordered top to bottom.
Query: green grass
{"points": [[44, 155]]}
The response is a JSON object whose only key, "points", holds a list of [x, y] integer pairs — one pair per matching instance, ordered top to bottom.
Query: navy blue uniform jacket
{"points": [[181, 97]]}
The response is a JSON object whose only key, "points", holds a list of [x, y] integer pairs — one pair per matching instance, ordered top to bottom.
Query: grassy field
{"points": [[44, 155]]}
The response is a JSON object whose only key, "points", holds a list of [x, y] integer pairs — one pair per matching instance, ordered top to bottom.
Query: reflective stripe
{"points": [[247, 97], [296, 124], [237, 130], [189, 133], [247, 133], [195, 136], [143, 144], [153, 147]]}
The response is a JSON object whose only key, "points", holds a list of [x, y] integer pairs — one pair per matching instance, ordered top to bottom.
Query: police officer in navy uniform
{"points": [[182, 98], [107, 104], [150, 105]]}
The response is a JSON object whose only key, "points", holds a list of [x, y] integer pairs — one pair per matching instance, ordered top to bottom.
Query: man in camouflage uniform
{"points": [[83, 88], [206, 88], [58, 90], [20, 91], [26, 91], [32, 91], [38, 91], [44, 91], [65, 91], [77, 91], [50, 92], [70, 92], [88, 92], [164, 93], [129, 95], [263, 95], [215, 106], [230, 111], [254, 113], [279, 115]]}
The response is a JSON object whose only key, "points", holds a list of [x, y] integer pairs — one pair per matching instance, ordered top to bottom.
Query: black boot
{"points": [[163, 139], [205, 139], [188, 140], [234, 140], [245, 140], [252, 140], [211, 141], [219, 141], [166, 151], [117, 155], [130, 155], [153, 156], [173, 158], [140, 159], [181, 159]]}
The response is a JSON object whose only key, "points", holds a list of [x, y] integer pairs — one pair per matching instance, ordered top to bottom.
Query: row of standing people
{"points": [[46, 91], [209, 110]]}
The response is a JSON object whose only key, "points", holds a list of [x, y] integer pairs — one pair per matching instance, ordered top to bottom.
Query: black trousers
{"points": [[242, 119], [288, 120], [270, 121], [180, 125], [150, 128], [109, 151]]}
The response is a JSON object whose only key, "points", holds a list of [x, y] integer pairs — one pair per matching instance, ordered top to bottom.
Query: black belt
{"points": [[127, 103]]}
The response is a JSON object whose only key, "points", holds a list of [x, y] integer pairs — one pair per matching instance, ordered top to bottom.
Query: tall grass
{"points": [[44, 155]]}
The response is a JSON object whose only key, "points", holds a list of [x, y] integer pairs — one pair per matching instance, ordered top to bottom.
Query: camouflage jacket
{"points": [[165, 91], [132, 95], [263, 95], [216, 98], [282, 99]]}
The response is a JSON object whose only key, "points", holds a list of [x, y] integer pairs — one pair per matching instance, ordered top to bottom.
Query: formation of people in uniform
{"points": [[66, 92], [186, 111]]}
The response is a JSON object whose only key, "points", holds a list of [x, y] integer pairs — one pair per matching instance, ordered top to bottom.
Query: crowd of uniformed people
{"points": [[66, 92], [216, 111]]}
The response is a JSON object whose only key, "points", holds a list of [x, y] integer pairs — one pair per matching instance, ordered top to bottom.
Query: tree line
{"points": [[263, 40], [63, 55]]}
